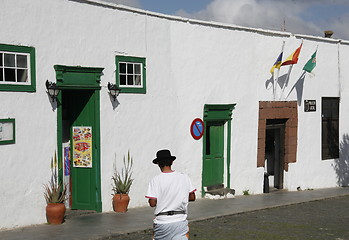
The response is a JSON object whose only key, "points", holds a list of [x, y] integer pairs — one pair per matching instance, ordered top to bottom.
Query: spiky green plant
{"points": [[122, 181], [54, 191]]}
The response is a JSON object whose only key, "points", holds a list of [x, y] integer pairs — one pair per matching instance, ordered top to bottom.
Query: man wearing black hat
{"points": [[170, 192]]}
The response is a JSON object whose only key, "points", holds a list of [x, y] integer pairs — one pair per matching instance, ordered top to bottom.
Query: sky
{"points": [[310, 17]]}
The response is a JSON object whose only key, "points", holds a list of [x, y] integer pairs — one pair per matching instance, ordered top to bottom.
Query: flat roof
{"points": [[101, 3]]}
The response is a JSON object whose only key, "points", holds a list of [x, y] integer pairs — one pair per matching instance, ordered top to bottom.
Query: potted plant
{"points": [[122, 182], [55, 195]]}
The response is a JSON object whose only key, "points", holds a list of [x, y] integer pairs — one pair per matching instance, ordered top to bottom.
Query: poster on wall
{"points": [[82, 147], [66, 157], [66, 177]]}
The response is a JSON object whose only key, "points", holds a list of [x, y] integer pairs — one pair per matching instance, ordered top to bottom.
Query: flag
{"points": [[293, 58], [277, 63], [309, 66]]}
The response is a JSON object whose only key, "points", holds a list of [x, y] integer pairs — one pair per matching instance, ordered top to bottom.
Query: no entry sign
{"points": [[197, 128]]}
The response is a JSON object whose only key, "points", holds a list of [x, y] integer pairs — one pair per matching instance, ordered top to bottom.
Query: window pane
{"points": [[9, 60], [22, 61], [1, 64], [122, 67], [130, 68], [137, 68], [1, 74], [10, 75], [22, 75], [122, 79], [129, 79], [138, 80], [330, 108], [330, 128], [208, 143]]}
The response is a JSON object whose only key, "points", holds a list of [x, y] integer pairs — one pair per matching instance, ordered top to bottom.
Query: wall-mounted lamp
{"points": [[52, 90], [113, 90]]}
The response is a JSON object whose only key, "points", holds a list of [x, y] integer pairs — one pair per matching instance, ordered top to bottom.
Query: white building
{"points": [[183, 69]]}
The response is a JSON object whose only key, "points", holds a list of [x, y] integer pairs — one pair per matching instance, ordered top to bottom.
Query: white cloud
{"points": [[270, 14]]}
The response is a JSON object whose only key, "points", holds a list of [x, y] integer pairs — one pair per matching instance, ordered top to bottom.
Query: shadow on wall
{"points": [[283, 83], [299, 85], [341, 164]]}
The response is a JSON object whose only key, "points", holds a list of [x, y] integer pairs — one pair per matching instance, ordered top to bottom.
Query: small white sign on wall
{"points": [[7, 131]]}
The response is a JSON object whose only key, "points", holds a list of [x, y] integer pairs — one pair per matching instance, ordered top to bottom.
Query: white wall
{"points": [[189, 64]]}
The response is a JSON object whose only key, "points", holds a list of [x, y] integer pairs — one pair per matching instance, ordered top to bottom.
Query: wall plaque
{"points": [[309, 105], [7, 131]]}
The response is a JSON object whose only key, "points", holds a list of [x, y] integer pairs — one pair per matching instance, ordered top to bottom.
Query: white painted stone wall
{"points": [[189, 64]]}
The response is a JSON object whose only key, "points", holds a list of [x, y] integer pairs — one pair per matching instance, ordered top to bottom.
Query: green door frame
{"points": [[83, 78], [218, 113]]}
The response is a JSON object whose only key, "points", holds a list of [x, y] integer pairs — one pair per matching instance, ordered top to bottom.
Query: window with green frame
{"points": [[17, 68], [130, 74], [7, 131]]}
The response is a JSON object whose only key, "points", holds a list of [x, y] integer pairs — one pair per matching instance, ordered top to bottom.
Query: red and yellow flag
{"points": [[293, 58]]}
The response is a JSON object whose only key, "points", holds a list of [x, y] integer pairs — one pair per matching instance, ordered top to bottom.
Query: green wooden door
{"points": [[80, 107], [213, 166]]}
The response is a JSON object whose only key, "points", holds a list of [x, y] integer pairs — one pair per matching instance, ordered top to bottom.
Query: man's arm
{"points": [[152, 202]]}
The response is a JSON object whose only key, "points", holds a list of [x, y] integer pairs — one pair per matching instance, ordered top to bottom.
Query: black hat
{"points": [[163, 155]]}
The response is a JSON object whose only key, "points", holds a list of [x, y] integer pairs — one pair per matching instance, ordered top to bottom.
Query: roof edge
{"points": [[101, 3]]}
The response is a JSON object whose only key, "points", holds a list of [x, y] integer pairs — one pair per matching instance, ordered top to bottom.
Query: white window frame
{"points": [[3, 67], [133, 74]]}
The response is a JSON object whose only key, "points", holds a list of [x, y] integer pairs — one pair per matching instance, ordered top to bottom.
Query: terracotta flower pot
{"points": [[120, 202], [55, 213]]}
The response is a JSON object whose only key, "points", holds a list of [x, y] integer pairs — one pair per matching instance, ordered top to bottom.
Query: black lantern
{"points": [[52, 90], [113, 90]]}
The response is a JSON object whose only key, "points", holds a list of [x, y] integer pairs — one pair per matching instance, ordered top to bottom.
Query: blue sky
{"points": [[173, 6], [309, 17]]}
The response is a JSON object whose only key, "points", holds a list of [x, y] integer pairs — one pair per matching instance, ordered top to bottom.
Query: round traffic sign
{"points": [[197, 128]]}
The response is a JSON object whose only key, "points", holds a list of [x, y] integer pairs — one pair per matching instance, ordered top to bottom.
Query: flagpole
{"points": [[277, 74], [284, 86]]}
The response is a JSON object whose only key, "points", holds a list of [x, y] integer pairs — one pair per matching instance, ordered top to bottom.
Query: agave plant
{"points": [[122, 181], [55, 191]]}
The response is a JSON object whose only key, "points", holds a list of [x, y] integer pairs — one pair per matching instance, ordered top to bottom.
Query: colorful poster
{"points": [[82, 147], [66, 158]]}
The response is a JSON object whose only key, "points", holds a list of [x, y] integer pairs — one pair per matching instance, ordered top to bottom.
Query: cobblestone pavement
{"points": [[321, 220]]}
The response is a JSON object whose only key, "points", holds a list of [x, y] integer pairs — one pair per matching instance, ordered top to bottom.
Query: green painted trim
{"points": [[78, 69], [97, 72], [91, 79], [17, 87], [77, 87], [141, 90], [217, 113], [59, 136], [12, 141], [98, 146], [228, 153]]}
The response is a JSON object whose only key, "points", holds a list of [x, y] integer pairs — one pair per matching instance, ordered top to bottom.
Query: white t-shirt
{"points": [[171, 190]]}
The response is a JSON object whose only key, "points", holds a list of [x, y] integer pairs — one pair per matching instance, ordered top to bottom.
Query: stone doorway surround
{"points": [[278, 110]]}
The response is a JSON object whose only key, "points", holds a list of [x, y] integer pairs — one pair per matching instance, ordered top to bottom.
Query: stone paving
{"points": [[276, 215], [319, 220]]}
